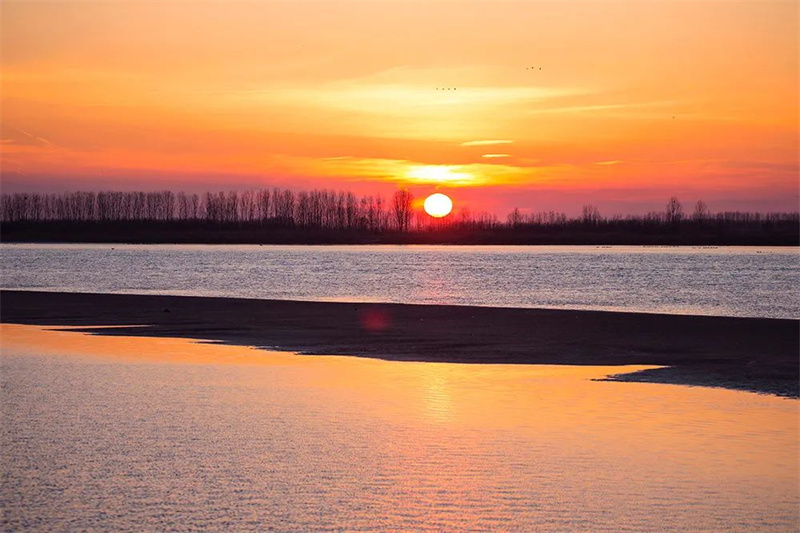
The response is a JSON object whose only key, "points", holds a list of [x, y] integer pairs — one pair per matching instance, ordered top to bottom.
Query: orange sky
{"points": [[634, 102]]}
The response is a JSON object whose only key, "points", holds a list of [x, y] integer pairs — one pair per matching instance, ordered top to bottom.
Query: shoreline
{"points": [[184, 232], [426, 244], [754, 354]]}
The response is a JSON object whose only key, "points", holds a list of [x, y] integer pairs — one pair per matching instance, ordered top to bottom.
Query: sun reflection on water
{"points": [[437, 402], [221, 437]]}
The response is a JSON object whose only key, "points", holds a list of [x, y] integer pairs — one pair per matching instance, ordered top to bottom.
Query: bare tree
{"points": [[263, 205], [183, 206], [247, 206], [284, 207], [402, 208], [302, 210], [674, 210], [700, 211], [380, 215], [591, 215]]}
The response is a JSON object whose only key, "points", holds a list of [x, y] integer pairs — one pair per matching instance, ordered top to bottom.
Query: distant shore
{"points": [[177, 232], [753, 354]]}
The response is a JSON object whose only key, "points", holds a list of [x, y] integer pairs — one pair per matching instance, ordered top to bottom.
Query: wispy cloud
{"points": [[397, 98], [602, 107], [31, 136], [486, 143], [493, 156], [605, 163]]}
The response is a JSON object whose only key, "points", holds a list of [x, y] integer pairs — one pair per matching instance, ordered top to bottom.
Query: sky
{"points": [[537, 105]]}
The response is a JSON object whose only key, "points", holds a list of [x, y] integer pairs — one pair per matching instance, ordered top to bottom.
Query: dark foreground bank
{"points": [[742, 353]]}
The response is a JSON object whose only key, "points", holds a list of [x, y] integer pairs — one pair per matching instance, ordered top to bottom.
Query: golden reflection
{"points": [[61, 342], [551, 399], [437, 402], [453, 444]]}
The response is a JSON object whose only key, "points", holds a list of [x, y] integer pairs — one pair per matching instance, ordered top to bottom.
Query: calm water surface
{"points": [[726, 281], [165, 434]]}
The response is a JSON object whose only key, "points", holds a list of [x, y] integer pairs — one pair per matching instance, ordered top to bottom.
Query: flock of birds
{"points": [[455, 88]]}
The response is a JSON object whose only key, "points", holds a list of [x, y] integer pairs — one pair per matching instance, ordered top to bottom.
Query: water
{"points": [[726, 281], [120, 433]]}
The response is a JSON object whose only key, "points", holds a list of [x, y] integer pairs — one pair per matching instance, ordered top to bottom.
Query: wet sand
{"points": [[754, 354]]}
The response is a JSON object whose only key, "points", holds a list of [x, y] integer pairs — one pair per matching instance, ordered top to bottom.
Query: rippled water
{"points": [[726, 281], [164, 434]]}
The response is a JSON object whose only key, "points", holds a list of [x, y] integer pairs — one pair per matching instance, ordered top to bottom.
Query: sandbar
{"points": [[755, 354]]}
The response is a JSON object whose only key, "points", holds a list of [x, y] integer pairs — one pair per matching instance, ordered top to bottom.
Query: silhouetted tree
{"points": [[263, 205], [402, 208], [674, 211], [700, 211], [590, 215]]}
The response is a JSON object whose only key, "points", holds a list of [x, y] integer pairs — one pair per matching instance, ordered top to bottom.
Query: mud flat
{"points": [[753, 354]]}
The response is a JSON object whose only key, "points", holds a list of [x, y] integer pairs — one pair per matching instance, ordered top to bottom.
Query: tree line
{"points": [[280, 207], [316, 209], [325, 209], [321, 215], [672, 216]]}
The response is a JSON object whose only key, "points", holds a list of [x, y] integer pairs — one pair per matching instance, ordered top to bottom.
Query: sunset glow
{"points": [[537, 105], [439, 174], [372, 265]]}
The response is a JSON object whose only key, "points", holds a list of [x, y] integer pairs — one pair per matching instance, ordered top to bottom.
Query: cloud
{"points": [[591, 108], [30, 138], [486, 143], [493, 156]]}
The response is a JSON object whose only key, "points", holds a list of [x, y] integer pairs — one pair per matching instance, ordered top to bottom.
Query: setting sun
{"points": [[438, 205]]}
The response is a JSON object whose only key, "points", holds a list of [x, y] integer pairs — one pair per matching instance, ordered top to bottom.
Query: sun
{"points": [[438, 205]]}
